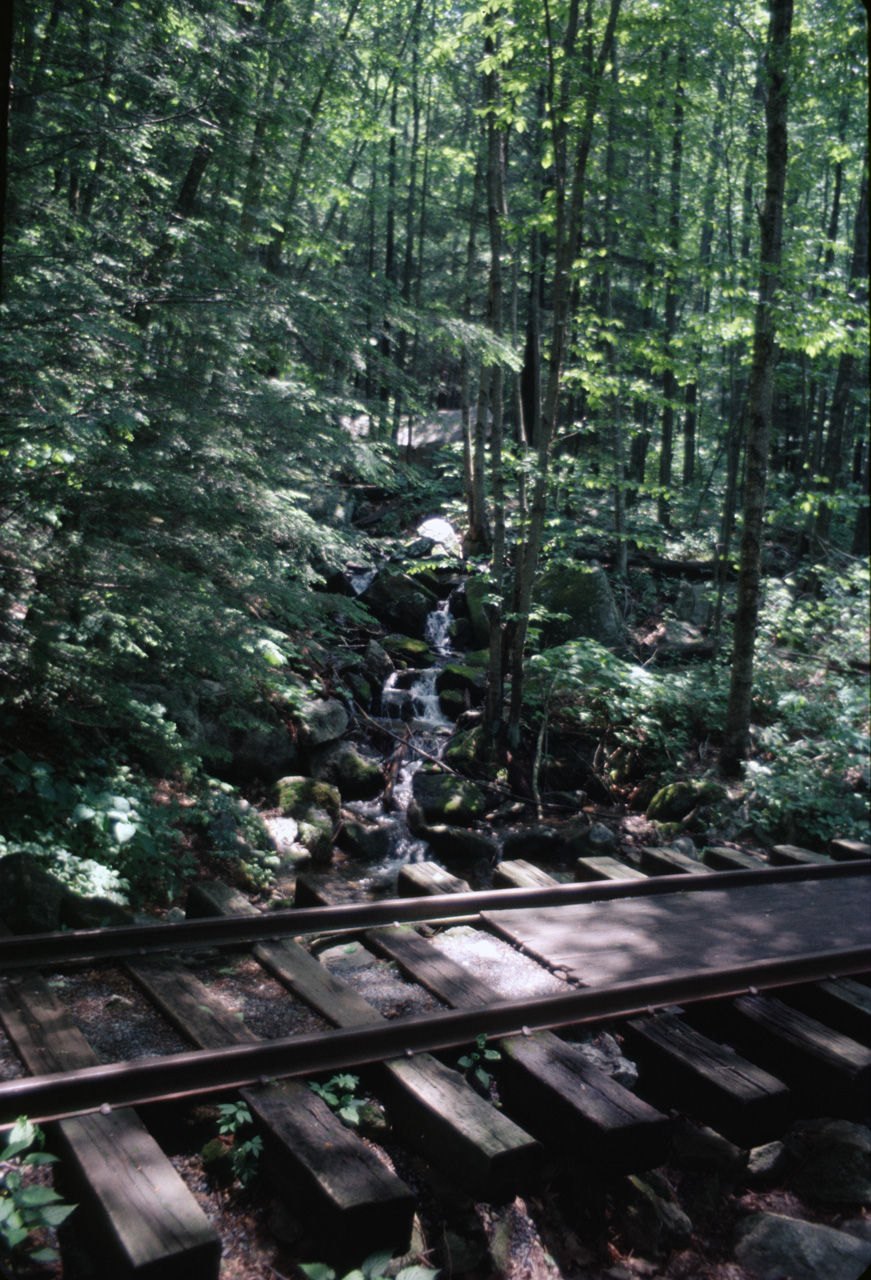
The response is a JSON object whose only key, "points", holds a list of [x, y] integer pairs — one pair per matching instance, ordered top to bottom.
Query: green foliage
{"points": [[586, 688], [100, 835], [471, 1064], [339, 1093], [244, 1154], [25, 1209], [374, 1268]]}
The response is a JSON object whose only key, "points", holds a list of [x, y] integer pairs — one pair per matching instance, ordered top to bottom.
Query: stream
{"points": [[409, 704]]}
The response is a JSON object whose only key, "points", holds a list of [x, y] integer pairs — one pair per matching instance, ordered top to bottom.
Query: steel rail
{"points": [[51, 949], [61, 1095]]}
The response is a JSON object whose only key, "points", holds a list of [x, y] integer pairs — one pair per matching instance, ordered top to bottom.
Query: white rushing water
{"points": [[416, 711]]}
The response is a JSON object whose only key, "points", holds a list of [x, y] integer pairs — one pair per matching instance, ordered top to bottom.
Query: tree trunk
{"points": [[567, 236], [669, 379], [833, 459], [736, 737]]}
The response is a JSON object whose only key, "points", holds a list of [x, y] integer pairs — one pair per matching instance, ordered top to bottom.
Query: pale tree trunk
{"points": [[495, 211], [736, 735]]}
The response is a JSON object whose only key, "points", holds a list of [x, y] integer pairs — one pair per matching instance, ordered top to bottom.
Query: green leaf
{"points": [[31, 1197], [52, 1215], [377, 1263], [317, 1271]]}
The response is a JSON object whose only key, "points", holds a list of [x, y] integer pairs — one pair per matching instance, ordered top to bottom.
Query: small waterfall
{"points": [[428, 726]]}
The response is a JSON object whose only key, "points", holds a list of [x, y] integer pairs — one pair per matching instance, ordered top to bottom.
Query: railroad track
{"points": [[802, 1046]]}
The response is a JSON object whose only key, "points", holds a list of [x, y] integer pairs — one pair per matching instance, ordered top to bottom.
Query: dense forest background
{"points": [[248, 249]]}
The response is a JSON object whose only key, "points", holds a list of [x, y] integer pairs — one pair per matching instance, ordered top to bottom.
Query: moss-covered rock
{"points": [[476, 592], [583, 594], [400, 601], [416, 653], [452, 703], [356, 776], [296, 795], [444, 800], [674, 802], [316, 833], [369, 841], [459, 843]]}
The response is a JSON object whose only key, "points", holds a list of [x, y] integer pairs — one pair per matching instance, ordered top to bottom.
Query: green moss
{"points": [[416, 652], [297, 794], [674, 802]]}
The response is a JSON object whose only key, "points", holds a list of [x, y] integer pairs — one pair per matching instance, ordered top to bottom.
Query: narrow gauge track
{"points": [[550, 1092]]}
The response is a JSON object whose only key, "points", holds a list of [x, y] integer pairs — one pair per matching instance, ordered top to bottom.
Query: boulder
{"points": [[444, 537], [475, 593], [583, 594], [400, 601], [693, 605], [415, 653], [377, 663], [466, 679], [357, 681], [452, 704], [321, 720], [356, 776], [296, 795], [445, 800], [674, 802], [316, 830], [283, 833], [583, 840], [369, 841], [459, 843], [531, 843], [35, 901], [601, 1050], [704, 1150], [833, 1161], [766, 1164], [651, 1220], [774, 1247]]}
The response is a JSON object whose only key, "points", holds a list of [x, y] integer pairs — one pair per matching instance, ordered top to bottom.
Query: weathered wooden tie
{"points": [[843, 850], [789, 855], [719, 859], [670, 862], [604, 867], [518, 874], [423, 879], [841, 1003], [811, 1057], [544, 1081], [742, 1100], [436, 1107], [316, 1162], [141, 1217]]}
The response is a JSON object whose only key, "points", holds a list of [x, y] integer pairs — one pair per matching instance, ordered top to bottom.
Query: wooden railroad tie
{"points": [[437, 1109], [135, 1206]]}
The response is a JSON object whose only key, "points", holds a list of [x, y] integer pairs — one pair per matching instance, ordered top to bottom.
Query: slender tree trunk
{"points": [[6, 37], [495, 209], [567, 237], [669, 379], [833, 460], [474, 533], [736, 737]]}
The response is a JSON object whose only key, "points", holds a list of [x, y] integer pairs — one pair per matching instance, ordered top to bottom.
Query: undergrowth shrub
{"points": [[107, 836]]}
